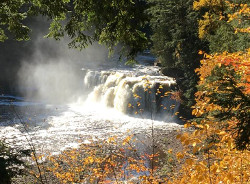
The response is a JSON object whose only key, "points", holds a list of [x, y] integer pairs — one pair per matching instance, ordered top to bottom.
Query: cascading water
{"points": [[132, 92], [117, 101]]}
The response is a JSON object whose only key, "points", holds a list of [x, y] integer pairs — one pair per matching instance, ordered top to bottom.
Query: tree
{"points": [[11, 17], [221, 21], [109, 22], [176, 42], [224, 78], [226, 86], [217, 151]]}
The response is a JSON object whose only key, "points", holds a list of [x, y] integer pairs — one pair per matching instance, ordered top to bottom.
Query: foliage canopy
{"points": [[109, 22], [224, 24], [217, 151]]}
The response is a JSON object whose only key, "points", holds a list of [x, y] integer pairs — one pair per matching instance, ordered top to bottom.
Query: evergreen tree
{"points": [[176, 42]]}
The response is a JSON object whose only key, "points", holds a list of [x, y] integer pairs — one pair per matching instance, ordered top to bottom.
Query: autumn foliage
{"points": [[215, 147], [217, 150], [102, 161]]}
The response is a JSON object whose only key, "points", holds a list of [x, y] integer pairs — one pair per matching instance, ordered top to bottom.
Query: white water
{"points": [[133, 91], [104, 113]]}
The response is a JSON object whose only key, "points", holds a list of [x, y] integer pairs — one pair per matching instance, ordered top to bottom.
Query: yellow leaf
{"points": [[200, 52], [187, 125], [199, 126], [206, 126], [196, 132], [222, 133], [178, 136], [111, 139], [126, 140], [186, 142], [210, 145], [195, 149], [170, 151], [179, 155], [189, 161], [214, 168], [230, 177]]}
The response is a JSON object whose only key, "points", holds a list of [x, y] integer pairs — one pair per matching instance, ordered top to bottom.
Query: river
{"points": [[113, 102]]}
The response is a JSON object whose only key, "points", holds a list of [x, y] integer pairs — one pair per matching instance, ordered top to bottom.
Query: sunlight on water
{"points": [[103, 113]]}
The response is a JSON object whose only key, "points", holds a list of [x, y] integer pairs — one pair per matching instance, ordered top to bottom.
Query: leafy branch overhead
{"points": [[110, 22], [206, 41]]}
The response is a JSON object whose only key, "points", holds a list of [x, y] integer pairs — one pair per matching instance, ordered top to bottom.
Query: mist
{"points": [[47, 70], [53, 72]]}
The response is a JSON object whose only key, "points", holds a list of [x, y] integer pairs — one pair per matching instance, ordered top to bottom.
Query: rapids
{"points": [[117, 100]]}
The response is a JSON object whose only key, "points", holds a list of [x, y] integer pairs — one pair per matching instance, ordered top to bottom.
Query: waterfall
{"points": [[132, 92]]}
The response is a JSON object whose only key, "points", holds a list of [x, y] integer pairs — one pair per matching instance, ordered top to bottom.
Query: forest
{"points": [[203, 44]]}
